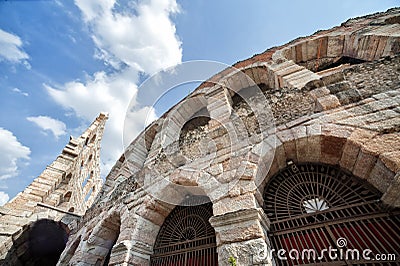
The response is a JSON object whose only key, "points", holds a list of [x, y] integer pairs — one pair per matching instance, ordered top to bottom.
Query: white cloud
{"points": [[142, 36], [136, 38], [10, 48], [16, 90], [108, 93], [56, 127], [11, 151], [3, 198]]}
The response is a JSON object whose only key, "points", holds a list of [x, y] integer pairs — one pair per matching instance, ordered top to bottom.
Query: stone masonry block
{"points": [[326, 103], [364, 164], [380, 177], [227, 204]]}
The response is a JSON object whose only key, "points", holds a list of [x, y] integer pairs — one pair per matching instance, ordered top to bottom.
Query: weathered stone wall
{"points": [[345, 115], [57, 194]]}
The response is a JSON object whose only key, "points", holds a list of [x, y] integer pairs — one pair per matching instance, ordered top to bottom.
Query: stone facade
{"points": [[331, 98], [335, 99], [61, 193]]}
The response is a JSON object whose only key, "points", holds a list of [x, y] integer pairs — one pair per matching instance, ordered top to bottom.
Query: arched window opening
{"points": [[344, 60], [242, 112], [193, 134], [149, 136], [92, 140], [88, 177], [67, 178], [89, 194], [67, 196], [316, 207], [108, 232], [186, 238]]}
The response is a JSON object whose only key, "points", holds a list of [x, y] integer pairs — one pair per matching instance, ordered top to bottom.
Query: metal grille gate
{"points": [[313, 207], [186, 238]]}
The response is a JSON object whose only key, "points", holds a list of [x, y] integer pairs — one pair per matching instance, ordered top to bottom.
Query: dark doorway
{"points": [[41, 244]]}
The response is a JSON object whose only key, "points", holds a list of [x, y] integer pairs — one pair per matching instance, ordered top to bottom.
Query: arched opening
{"points": [[242, 111], [193, 134], [150, 135], [92, 140], [88, 177], [66, 179], [89, 194], [67, 196], [65, 200], [316, 207], [104, 237], [186, 238], [41, 244], [69, 252]]}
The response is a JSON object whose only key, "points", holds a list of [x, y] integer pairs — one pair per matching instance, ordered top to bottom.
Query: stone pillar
{"points": [[241, 235], [135, 243], [130, 252]]}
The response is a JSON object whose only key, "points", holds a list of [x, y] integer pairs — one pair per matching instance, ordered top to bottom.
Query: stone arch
{"points": [[315, 53], [178, 116], [150, 134], [191, 134], [93, 139], [351, 149], [134, 156], [66, 179], [88, 179], [89, 193], [67, 196], [65, 199], [314, 206], [186, 226], [139, 228], [102, 239], [41, 243], [69, 251]]}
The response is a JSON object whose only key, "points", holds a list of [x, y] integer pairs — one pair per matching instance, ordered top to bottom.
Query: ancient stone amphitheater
{"points": [[287, 158]]}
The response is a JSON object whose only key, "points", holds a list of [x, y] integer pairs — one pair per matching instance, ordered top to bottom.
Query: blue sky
{"points": [[62, 62]]}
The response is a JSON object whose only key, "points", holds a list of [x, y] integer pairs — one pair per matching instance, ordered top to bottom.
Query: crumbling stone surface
{"points": [[330, 98], [331, 103], [289, 104], [192, 133], [60, 193]]}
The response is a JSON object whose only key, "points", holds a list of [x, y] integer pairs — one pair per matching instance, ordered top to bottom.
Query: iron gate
{"points": [[316, 207], [186, 238]]}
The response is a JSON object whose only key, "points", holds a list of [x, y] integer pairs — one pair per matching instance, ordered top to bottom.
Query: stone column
{"points": [[241, 235], [135, 244], [130, 252]]}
